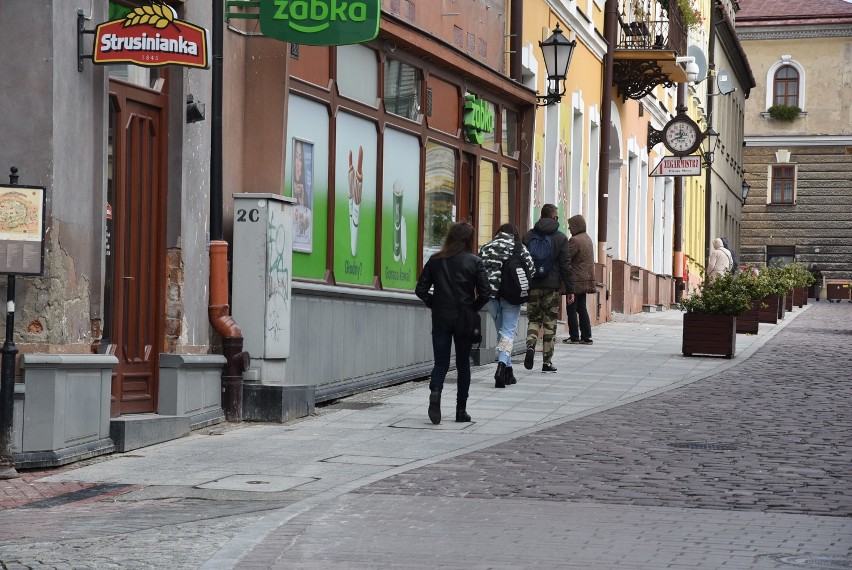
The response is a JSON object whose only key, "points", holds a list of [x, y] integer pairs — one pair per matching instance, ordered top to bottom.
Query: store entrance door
{"points": [[133, 296]]}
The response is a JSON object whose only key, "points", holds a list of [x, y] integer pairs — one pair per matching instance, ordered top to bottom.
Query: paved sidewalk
{"points": [[264, 490]]}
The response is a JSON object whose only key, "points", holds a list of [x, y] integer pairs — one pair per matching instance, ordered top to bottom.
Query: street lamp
{"points": [[557, 52], [709, 135], [746, 188]]}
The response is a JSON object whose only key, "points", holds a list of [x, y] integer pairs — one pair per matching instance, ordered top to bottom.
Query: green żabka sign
{"points": [[320, 22], [478, 119]]}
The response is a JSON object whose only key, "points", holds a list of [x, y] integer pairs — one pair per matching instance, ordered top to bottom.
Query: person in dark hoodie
{"points": [[549, 249], [583, 272]]}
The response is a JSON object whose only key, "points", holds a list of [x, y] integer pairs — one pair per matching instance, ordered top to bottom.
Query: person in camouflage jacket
{"points": [[505, 314]]}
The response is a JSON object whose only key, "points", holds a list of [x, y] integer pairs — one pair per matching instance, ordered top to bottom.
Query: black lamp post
{"points": [[557, 52], [712, 138], [746, 188]]}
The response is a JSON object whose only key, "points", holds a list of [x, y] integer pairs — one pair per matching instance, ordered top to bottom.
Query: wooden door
{"points": [[134, 302]]}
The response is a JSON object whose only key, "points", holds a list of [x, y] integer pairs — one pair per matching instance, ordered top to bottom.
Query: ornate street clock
{"points": [[682, 135]]}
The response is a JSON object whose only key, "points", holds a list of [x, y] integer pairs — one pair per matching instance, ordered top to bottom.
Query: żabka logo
{"points": [[320, 22], [151, 36]]}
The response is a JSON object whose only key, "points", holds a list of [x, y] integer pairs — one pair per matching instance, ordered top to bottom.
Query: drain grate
{"points": [[354, 405], [703, 446], [75, 496], [831, 562]]}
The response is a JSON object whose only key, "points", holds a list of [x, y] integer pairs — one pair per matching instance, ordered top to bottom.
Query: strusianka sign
{"points": [[320, 22], [151, 36], [689, 165]]}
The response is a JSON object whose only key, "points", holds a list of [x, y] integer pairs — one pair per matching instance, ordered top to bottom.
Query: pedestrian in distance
{"points": [[582, 252], [720, 260], [509, 267], [817, 273], [453, 279], [551, 279]]}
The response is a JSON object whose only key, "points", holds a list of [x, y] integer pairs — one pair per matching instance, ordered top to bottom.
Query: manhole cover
{"points": [[703, 446], [817, 562]]}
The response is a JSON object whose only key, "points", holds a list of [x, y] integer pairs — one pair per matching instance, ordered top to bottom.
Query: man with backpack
{"points": [[509, 267], [551, 279]]}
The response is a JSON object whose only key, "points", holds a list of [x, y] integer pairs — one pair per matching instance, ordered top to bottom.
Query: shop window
{"points": [[311, 64], [358, 73], [786, 86], [402, 89], [446, 106], [510, 133], [489, 139], [783, 184], [485, 196], [508, 196], [439, 209], [780, 255]]}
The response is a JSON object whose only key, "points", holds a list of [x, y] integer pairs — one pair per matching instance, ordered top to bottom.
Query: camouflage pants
{"points": [[542, 313]]}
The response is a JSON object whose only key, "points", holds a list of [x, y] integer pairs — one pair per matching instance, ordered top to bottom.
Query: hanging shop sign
{"points": [[320, 22], [151, 36], [478, 119], [678, 166]]}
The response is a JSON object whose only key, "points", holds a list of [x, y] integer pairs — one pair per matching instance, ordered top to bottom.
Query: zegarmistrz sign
{"points": [[151, 36]]}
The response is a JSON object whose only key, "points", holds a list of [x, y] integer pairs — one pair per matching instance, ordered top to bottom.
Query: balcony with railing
{"points": [[651, 37]]}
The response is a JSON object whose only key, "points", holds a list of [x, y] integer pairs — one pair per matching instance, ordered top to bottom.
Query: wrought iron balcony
{"points": [[651, 37]]}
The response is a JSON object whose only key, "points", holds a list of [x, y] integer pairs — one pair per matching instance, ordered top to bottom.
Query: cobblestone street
{"points": [[747, 467]]}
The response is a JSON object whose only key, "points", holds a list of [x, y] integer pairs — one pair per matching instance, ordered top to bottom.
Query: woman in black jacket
{"points": [[459, 279]]}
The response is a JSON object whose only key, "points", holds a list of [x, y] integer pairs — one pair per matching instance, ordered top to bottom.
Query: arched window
{"points": [[786, 86]]}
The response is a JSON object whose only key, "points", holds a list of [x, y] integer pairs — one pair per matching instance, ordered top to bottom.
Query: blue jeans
{"points": [[578, 311], [505, 317], [442, 342]]}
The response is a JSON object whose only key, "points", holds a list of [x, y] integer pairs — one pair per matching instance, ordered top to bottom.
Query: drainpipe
{"points": [[610, 34], [516, 43], [708, 184], [677, 269], [218, 309]]}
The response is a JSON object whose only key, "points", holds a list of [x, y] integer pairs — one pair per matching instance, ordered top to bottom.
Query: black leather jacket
{"points": [[464, 282]]}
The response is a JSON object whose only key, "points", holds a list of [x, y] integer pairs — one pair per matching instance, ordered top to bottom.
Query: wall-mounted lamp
{"points": [[557, 52], [692, 69], [194, 110], [711, 137], [746, 189]]}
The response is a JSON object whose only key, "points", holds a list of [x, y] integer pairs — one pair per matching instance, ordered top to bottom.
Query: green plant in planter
{"points": [[784, 112], [798, 275], [779, 279], [757, 285], [727, 294]]}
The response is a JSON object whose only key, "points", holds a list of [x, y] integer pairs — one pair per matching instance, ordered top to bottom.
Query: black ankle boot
{"points": [[500, 376], [509, 377], [435, 406], [461, 413]]}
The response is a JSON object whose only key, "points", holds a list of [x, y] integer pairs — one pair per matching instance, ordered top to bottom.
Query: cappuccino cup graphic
{"points": [[356, 181], [398, 221]]}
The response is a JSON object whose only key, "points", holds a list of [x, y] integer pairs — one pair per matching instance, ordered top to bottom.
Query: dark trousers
{"points": [[579, 325], [442, 342]]}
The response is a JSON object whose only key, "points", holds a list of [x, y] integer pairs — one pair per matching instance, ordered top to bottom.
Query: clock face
{"points": [[681, 136]]}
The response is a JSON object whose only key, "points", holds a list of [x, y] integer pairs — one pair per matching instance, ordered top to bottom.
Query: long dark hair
{"points": [[510, 229], [459, 238]]}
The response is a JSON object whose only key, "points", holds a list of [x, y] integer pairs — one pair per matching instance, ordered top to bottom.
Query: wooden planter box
{"points": [[801, 296], [789, 299], [782, 307], [769, 313], [747, 322], [709, 334]]}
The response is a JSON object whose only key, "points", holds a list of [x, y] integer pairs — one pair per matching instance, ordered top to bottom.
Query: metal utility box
{"points": [[262, 274]]}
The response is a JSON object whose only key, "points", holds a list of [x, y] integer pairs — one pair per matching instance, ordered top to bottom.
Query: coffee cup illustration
{"points": [[356, 180], [398, 221]]}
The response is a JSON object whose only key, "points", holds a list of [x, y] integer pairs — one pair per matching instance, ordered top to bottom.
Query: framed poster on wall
{"points": [[303, 191], [22, 230]]}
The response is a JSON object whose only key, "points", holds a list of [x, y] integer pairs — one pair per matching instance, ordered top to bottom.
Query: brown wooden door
{"points": [[134, 304]]}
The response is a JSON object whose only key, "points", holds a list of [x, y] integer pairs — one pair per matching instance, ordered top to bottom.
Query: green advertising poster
{"points": [[320, 22], [306, 180], [355, 201], [400, 207]]}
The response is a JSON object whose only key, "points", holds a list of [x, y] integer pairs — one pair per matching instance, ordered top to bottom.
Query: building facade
{"points": [[798, 135]]}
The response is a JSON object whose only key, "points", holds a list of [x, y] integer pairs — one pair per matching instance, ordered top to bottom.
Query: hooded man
{"points": [[582, 252], [720, 261]]}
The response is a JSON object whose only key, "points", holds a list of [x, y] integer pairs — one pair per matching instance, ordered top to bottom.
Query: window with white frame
{"points": [[785, 83], [783, 184]]}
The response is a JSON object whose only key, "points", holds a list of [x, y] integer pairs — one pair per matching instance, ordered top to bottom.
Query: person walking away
{"points": [[582, 252], [720, 260], [735, 263], [817, 273], [552, 278], [452, 279], [505, 311]]}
